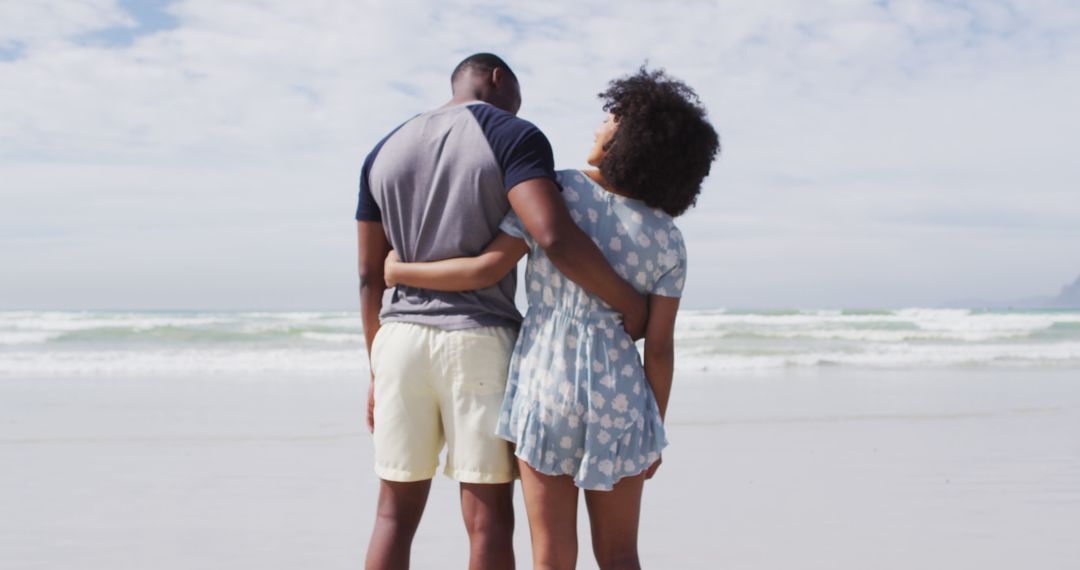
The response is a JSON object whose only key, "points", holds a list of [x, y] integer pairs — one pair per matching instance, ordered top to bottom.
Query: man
{"points": [[437, 187]]}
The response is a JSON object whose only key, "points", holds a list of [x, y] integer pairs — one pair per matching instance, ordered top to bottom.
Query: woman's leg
{"points": [[551, 503], [614, 516]]}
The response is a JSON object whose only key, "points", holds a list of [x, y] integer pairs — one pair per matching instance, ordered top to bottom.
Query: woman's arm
{"points": [[459, 273], [660, 347]]}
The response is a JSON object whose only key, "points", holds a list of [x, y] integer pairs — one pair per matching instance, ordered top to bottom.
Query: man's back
{"points": [[439, 185]]}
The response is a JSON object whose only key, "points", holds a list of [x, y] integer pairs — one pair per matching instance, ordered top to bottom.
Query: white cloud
{"points": [[874, 153]]}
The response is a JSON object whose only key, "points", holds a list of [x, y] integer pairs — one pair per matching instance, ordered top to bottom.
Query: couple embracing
{"points": [[449, 202]]}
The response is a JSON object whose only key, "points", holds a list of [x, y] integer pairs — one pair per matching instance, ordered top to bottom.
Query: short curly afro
{"points": [[664, 145]]}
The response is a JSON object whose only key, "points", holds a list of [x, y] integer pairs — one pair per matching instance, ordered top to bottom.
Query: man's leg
{"points": [[476, 363], [407, 439], [488, 510], [396, 518]]}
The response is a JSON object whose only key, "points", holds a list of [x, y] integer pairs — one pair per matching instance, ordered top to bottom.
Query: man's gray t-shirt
{"points": [[439, 184]]}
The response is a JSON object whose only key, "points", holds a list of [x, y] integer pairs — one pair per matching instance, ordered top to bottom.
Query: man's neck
{"points": [[455, 101]]}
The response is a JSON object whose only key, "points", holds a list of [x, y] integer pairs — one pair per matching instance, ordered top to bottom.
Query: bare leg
{"points": [[551, 503], [488, 510], [614, 516], [396, 518]]}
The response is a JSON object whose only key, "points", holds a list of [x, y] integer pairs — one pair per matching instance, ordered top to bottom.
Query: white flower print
{"points": [[570, 194], [576, 215], [593, 215], [636, 216], [620, 229], [661, 238], [643, 240], [615, 244], [632, 258], [671, 259], [649, 265], [622, 271], [641, 279], [679, 284], [535, 286], [549, 296], [610, 333], [612, 354], [597, 366], [627, 370], [607, 381], [564, 388], [597, 400], [620, 403], [579, 408], [634, 413], [592, 417], [572, 421], [605, 422], [619, 423], [603, 437], [627, 437], [530, 440], [566, 442], [579, 453], [549, 457], [628, 465], [567, 466], [606, 467]]}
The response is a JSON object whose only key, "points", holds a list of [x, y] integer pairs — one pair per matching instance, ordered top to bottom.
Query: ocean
{"points": [[713, 341]]}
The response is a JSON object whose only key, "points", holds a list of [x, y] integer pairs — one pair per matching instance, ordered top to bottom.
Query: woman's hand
{"points": [[389, 266], [652, 468]]}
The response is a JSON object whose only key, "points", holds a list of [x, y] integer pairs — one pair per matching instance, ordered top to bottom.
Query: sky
{"points": [[205, 153]]}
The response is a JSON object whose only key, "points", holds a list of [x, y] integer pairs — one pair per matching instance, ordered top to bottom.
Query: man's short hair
{"points": [[483, 62]]}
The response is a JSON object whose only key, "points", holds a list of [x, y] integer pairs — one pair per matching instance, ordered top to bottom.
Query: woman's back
{"points": [[641, 243]]}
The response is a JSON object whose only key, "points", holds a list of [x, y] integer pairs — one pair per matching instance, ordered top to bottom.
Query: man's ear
{"points": [[498, 75]]}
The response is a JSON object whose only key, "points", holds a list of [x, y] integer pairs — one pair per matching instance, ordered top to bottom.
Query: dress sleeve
{"points": [[511, 225], [671, 283]]}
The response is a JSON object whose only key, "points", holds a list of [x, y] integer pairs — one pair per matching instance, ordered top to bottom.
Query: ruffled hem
{"points": [[600, 466]]}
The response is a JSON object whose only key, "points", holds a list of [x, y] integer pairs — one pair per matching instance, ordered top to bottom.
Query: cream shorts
{"points": [[434, 386]]}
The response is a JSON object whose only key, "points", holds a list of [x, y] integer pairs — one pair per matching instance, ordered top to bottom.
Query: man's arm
{"points": [[541, 208], [373, 248]]}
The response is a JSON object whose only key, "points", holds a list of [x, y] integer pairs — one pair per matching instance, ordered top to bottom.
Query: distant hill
{"points": [[1068, 298]]}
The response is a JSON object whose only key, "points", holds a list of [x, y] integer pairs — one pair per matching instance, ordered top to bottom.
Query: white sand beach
{"points": [[814, 469]]}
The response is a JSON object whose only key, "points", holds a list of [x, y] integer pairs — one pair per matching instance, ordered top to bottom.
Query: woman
{"points": [[581, 407]]}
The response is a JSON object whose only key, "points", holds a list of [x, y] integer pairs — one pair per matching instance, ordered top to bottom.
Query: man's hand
{"points": [[391, 261], [371, 404], [652, 468]]}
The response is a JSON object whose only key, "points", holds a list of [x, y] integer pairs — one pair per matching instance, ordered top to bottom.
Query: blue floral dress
{"points": [[577, 401]]}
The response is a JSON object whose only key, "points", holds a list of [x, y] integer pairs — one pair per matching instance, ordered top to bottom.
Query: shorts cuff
{"points": [[401, 475], [466, 476]]}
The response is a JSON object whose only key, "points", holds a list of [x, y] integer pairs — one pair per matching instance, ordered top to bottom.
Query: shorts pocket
{"points": [[483, 360]]}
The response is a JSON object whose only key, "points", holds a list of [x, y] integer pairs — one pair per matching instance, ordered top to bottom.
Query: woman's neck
{"points": [[598, 177]]}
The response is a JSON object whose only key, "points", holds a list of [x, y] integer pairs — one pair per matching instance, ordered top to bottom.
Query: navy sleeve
{"points": [[522, 150], [367, 210]]}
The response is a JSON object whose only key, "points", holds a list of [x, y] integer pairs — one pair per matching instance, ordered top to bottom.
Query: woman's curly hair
{"points": [[663, 146]]}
